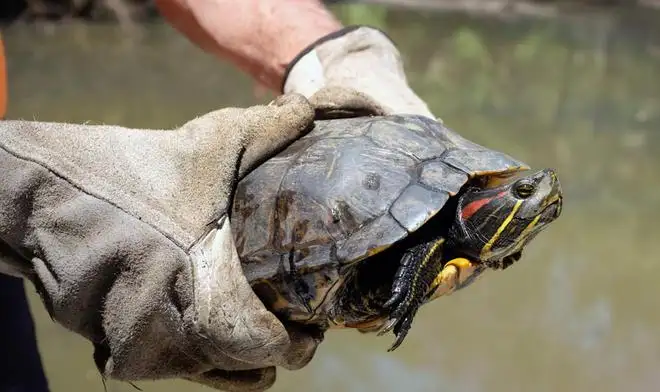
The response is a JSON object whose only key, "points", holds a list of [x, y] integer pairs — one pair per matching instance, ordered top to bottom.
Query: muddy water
{"points": [[578, 94]]}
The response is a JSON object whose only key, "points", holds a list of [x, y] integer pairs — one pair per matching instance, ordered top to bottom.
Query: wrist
{"points": [[298, 28], [260, 37], [267, 58], [309, 66]]}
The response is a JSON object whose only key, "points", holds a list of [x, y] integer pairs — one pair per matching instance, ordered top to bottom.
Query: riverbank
{"points": [[132, 11]]}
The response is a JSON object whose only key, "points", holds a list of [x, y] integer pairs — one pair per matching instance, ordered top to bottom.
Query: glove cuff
{"points": [[332, 36], [359, 58]]}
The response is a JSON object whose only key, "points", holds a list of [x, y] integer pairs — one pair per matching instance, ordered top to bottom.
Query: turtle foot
{"points": [[419, 267]]}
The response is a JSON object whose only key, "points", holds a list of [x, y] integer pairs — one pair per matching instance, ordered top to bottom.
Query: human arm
{"points": [[260, 37], [299, 46]]}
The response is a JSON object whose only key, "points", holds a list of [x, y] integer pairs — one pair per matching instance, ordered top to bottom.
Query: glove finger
{"points": [[341, 102], [273, 127], [228, 312], [304, 341], [256, 380]]}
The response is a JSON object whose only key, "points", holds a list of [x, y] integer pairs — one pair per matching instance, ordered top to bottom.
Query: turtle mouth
{"points": [[551, 212], [547, 215], [505, 262]]}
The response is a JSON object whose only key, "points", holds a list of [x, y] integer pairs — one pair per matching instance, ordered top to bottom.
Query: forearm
{"points": [[259, 36]]}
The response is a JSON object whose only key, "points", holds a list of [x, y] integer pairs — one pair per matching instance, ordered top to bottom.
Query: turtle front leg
{"points": [[420, 266], [455, 275]]}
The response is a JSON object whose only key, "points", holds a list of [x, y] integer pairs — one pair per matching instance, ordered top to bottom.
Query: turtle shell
{"points": [[347, 190]]}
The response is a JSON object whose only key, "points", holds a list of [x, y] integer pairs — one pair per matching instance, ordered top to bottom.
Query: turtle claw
{"points": [[411, 284], [396, 297], [400, 321], [401, 326], [387, 327], [401, 331]]}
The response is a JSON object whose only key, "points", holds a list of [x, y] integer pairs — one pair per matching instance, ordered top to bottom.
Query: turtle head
{"points": [[493, 225]]}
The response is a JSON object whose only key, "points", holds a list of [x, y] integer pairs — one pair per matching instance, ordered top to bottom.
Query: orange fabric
{"points": [[3, 81]]}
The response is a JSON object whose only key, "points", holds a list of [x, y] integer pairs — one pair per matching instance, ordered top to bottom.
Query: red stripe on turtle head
{"points": [[472, 207]]}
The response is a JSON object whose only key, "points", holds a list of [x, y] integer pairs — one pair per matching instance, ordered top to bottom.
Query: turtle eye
{"points": [[524, 190]]}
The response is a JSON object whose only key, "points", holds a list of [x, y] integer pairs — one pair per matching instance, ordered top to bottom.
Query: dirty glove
{"points": [[355, 59], [124, 234]]}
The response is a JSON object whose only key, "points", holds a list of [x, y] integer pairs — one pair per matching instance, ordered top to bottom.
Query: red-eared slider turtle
{"points": [[361, 221]]}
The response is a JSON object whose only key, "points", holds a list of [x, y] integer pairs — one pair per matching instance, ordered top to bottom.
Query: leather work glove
{"points": [[354, 59], [124, 234]]}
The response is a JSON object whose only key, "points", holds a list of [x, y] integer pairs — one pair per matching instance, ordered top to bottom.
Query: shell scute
{"points": [[407, 138], [476, 162], [442, 177], [340, 184], [416, 205], [252, 211], [371, 238]]}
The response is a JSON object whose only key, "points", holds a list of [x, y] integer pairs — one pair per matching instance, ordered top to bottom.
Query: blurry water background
{"points": [[579, 92]]}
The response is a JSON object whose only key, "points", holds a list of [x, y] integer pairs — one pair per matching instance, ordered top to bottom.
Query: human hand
{"points": [[358, 59], [124, 233]]}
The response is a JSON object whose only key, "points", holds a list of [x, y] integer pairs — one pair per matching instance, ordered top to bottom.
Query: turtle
{"points": [[363, 220]]}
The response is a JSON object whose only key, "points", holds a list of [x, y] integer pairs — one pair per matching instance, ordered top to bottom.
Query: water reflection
{"points": [[578, 94]]}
